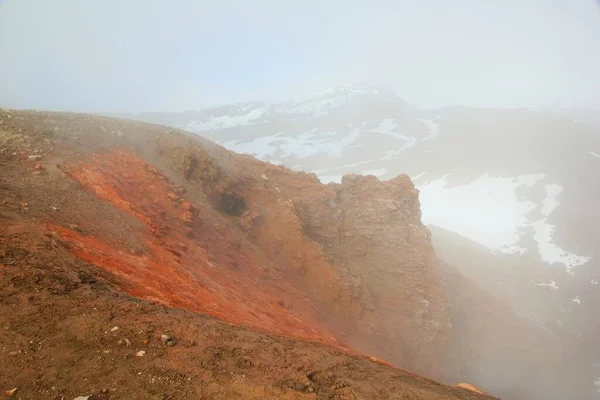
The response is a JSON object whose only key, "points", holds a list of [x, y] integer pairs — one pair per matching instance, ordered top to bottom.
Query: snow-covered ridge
{"points": [[317, 105], [226, 121], [303, 145]]}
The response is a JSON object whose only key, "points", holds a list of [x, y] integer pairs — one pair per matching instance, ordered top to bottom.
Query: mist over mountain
{"points": [[519, 184], [300, 199], [132, 249]]}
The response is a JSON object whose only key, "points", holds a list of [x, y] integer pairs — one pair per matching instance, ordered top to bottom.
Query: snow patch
{"points": [[321, 104], [318, 105], [226, 121], [432, 125], [386, 126], [409, 141], [305, 145], [259, 147], [594, 154], [486, 210], [489, 212], [549, 252], [551, 285], [576, 300]]}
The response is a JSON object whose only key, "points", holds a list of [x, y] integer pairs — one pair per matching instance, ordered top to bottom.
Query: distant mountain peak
{"points": [[367, 87]]}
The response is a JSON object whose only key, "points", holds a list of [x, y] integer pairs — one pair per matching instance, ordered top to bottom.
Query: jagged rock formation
{"points": [[180, 221], [372, 232]]}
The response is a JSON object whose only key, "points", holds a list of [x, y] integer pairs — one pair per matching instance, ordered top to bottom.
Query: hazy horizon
{"points": [[138, 56]]}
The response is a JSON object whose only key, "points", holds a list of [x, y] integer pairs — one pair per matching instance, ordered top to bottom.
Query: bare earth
{"points": [[71, 328]]}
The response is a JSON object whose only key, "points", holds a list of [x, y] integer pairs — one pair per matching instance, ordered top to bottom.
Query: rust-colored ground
{"points": [[95, 208], [199, 271], [58, 341]]}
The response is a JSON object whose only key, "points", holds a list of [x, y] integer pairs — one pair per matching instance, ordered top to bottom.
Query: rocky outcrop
{"points": [[372, 233]]}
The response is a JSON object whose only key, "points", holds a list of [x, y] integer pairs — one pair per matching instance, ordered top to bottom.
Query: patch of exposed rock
{"points": [[371, 232]]}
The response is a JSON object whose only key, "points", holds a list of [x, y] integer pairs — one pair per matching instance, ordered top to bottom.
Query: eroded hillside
{"points": [[178, 221], [66, 332]]}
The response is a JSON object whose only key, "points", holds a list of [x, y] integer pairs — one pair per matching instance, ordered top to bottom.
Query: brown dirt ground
{"points": [[58, 313], [57, 316]]}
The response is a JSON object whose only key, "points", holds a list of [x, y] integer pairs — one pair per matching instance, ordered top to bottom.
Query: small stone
{"points": [[35, 157], [38, 167], [264, 177], [76, 228], [116, 328], [165, 338], [145, 341], [127, 342], [171, 343], [140, 353], [105, 390], [11, 392], [82, 398]]}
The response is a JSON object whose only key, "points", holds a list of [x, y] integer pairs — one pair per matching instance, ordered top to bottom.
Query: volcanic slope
{"points": [[116, 232]]}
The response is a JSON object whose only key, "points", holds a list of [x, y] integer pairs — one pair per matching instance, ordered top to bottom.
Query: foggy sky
{"points": [[151, 55]]}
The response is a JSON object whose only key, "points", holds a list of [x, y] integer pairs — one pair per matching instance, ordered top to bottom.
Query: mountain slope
{"points": [[520, 183], [178, 221], [67, 332]]}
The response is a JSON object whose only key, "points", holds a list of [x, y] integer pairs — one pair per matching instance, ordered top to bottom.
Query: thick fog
{"points": [[142, 55], [510, 195]]}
